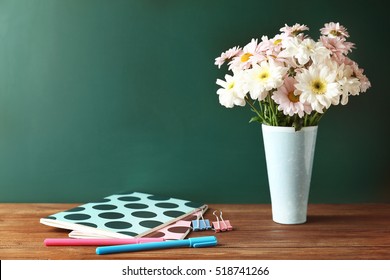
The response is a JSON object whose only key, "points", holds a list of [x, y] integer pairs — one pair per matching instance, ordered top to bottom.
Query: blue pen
{"points": [[196, 242]]}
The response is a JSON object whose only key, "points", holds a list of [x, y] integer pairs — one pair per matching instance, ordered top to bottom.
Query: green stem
{"points": [[254, 109], [274, 110], [319, 118], [305, 120], [312, 120]]}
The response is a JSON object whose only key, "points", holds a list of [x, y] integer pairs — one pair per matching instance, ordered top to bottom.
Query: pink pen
{"points": [[97, 241]]}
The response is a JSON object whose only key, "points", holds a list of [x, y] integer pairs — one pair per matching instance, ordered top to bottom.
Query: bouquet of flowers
{"points": [[290, 79]]}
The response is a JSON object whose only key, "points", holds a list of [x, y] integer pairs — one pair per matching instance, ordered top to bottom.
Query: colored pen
{"points": [[97, 241], [196, 242]]}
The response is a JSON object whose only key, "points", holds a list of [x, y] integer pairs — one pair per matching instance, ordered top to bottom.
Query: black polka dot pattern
{"points": [[128, 198], [157, 198], [193, 204], [167, 205], [136, 206], [104, 207], [173, 213], [125, 214], [144, 214], [111, 215], [77, 217], [150, 224], [118, 225]]}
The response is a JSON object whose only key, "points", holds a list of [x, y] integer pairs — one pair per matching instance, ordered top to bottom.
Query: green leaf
{"points": [[255, 119]]}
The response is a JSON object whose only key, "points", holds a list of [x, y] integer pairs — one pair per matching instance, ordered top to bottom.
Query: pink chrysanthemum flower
{"points": [[332, 29], [294, 30], [338, 46], [271, 47], [229, 54], [249, 56], [364, 82], [288, 99]]}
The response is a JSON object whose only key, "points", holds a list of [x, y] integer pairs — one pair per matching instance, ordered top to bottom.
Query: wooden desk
{"points": [[358, 231]]}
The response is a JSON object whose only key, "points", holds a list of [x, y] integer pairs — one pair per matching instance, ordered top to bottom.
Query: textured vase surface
{"points": [[289, 156]]}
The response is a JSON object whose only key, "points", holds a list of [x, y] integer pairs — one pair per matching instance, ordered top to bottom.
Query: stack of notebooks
{"points": [[133, 214]]}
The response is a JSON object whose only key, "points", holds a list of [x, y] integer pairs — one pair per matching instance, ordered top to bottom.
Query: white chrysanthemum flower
{"points": [[290, 47], [304, 50], [314, 50], [263, 78], [349, 85], [319, 87], [232, 91]]}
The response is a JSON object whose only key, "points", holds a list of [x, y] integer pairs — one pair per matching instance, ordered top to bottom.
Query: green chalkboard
{"points": [[98, 97]]}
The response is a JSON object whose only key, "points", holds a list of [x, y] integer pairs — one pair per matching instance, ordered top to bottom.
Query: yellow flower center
{"points": [[296, 32], [335, 33], [277, 42], [309, 48], [245, 57], [264, 75], [230, 85], [318, 86], [293, 98]]}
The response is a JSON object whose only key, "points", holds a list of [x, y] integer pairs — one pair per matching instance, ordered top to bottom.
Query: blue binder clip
{"points": [[199, 225]]}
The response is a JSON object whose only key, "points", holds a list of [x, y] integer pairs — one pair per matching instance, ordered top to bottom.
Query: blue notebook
{"points": [[122, 215]]}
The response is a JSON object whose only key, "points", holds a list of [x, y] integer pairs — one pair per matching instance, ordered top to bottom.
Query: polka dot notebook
{"points": [[122, 215]]}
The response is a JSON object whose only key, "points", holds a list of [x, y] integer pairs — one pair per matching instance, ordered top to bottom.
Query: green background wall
{"points": [[104, 96]]}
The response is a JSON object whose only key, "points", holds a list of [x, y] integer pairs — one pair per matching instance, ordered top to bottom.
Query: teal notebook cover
{"points": [[122, 215]]}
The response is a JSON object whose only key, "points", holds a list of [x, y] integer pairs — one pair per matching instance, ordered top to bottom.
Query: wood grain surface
{"points": [[333, 231]]}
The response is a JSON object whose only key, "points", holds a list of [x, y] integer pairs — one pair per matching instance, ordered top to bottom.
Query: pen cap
{"points": [[205, 241]]}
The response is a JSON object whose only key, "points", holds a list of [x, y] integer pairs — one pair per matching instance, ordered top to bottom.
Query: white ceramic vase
{"points": [[289, 156]]}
